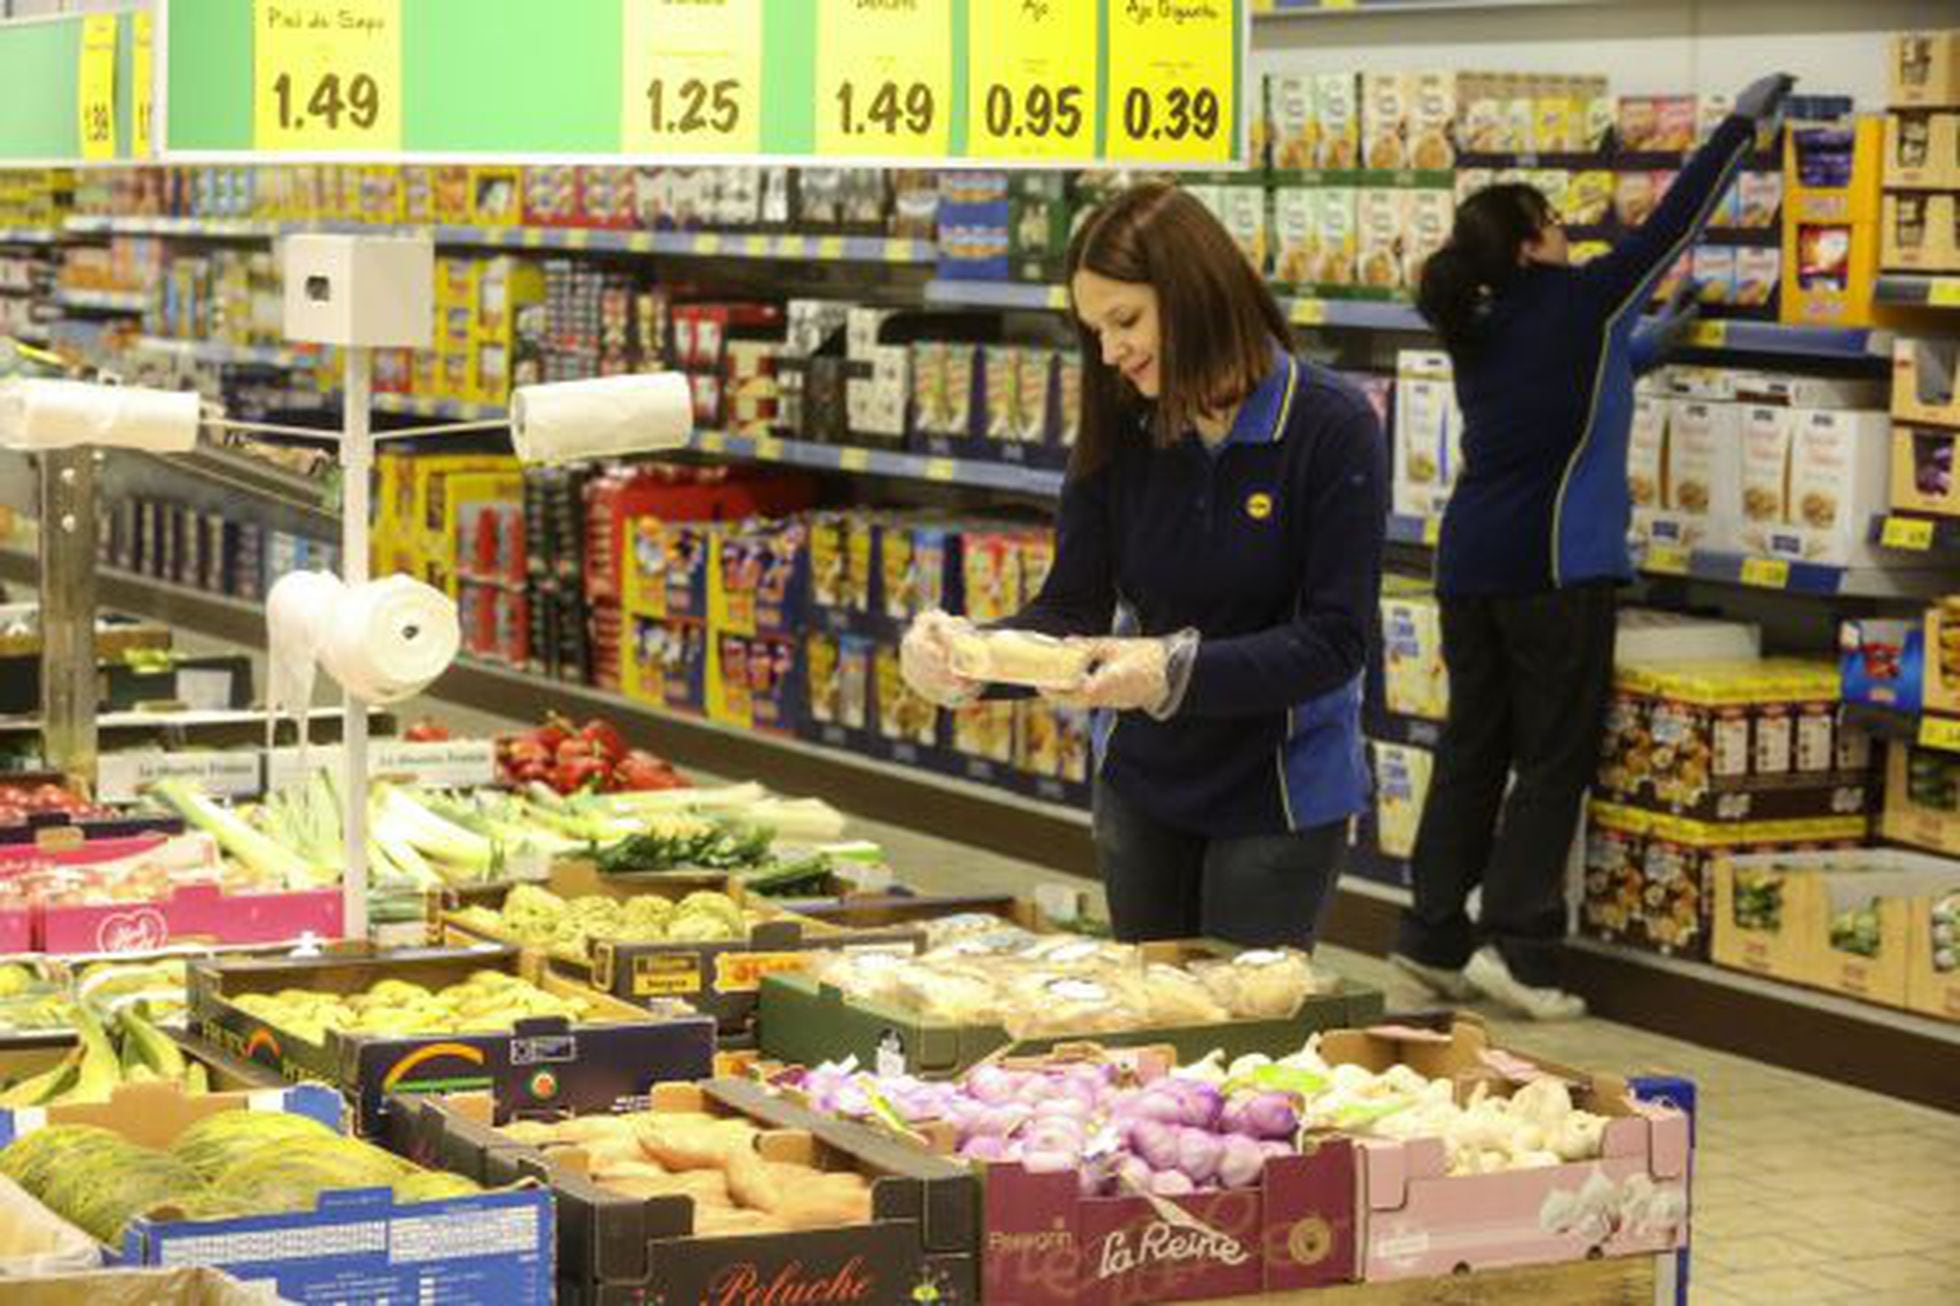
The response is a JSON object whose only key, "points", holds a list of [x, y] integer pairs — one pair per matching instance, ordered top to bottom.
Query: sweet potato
{"points": [[691, 1144], [712, 1222]]}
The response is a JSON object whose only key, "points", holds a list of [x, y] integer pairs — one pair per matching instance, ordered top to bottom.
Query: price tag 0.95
{"points": [[327, 75], [692, 77], [884, 79], [1034, 79], [1172, 93], [1941, 732]]}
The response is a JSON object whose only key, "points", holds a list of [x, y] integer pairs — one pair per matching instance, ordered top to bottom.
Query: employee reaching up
{"points": [[1219, 542], [1533, 544]]}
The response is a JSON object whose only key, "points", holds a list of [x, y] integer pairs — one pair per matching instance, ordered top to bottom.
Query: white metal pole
{"points": [[356, 462]]}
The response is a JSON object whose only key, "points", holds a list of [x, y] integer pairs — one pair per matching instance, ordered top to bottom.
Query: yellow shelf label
{"points": [[142, 72], [326, 75], [691, 77], [884, 79], [1170, 80], [1032, 81], [95, 87], [533, 238], [578, 238], [640, 242], [708, 244], [756, 246], [830, 247], [1944, 292], [1309, 312], [1709, 335], [711, 442], [769, 449], [854, 460], [941, 469], [1432, 530], [1914, 533], [1666, 560], [1766, 573], [1942, 732]]}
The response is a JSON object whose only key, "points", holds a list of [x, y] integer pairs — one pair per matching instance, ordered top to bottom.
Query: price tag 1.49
{"points": [[327, 75], [693, 77], [884, 78], [1033, 78], [1171, 83], [95, 84]]}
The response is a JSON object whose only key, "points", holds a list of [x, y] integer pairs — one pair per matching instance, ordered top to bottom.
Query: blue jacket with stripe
{"points": [[1547, 400], [1269, 546]]}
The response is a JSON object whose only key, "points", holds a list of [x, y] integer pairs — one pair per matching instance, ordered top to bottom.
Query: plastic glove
{"points": [[1762, 101], [1656, 339], [925, 659], [1127, 675]]}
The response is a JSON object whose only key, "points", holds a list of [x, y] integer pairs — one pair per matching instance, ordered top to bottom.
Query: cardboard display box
{"points": [[1924, 69], [1926, 381], [1926, 470], [1942, 650], [1882, 662], [1922, 798], [1756, 919], [1933, 970], [804, 1020], [544, 1063], [1418, 1221], [485, 1249], [614, 1250], [184, 1286]]}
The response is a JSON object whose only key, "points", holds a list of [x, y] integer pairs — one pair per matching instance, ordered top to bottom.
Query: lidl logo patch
{"points": [[1259, 505]]}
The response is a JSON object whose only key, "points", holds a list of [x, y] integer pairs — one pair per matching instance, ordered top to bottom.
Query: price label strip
{"points": [[142, 72], [1170, 73], [327, 75], [693, 77], [884, 79], [1034, 81], [95, 88], [1944, 292], [1914, 533], [1766, 573], [1941, 732]]}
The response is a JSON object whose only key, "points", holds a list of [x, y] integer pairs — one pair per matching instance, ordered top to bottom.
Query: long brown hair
{"points": [[1218, 322]]}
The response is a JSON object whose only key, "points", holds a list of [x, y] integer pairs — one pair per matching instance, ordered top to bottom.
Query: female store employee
{"points": [[1223, 516], [1533, 544]]}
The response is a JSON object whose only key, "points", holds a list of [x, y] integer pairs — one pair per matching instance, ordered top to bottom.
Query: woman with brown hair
{"points": [[1219, 547]]}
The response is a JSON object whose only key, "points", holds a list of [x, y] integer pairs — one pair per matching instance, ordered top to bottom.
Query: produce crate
{"points": [[54, 829], [203, 912], [717, 979], [804, 1020], [546, 1063], [1419, 1221], [355, 1245], [613, 1250], [195, 1285]]}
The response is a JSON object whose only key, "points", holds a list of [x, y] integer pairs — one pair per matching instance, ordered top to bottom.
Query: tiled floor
{"points": [[1806, 1191]]}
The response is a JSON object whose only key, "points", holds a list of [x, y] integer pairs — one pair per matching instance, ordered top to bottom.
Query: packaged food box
{"points": [[1924, 69], [1433, 115], [1338, 116], [1295, 125], [1922, 148], [1382, 218], [1337, 220], [1758, 273], [1926, 381], [1427, 430], [1923, 471], [1702, 490], [1942, 642], [1883, 663], [1414, 678], [1402, 774], [1922, 798], [1756, 918], [1864, 923], [1933, 975], [541, 1063], [614, 1248]]}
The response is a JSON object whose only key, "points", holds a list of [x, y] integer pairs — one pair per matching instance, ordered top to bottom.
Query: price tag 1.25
{"points": [[327, 75], [692, 77], [884, 78], [1034, 81], [1172, 84], [95, 87]]}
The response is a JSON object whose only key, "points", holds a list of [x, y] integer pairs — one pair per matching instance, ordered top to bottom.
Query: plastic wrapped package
{"points": [[1258, 985]]}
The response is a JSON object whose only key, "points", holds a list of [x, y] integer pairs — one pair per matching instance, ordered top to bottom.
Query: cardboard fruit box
{"points": [[1867, 924], [1756, 925], [1933, 972], [719, 979], [804, 1020], [543, 1062], [1420, 1221], [483, 1249], [614, 1249], [185, 1286]]}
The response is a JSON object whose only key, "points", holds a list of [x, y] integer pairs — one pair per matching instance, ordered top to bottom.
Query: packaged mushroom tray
{"points": [[1019, 657], [644, 938], [984, 985]]}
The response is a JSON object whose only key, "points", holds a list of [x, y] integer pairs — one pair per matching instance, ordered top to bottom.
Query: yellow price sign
{"points": [[1032, 74], [327, 75], [692, 77], [884, 78], [1171, 83], [95, 87], [143, 92], [830, 248], [1944, 292], [1309, 312], [1709, 335], [711, 442], [768, 449], [854, 460], [941, 469], [1432, 531], [1913, 533], [1666, 560], [1766, 573], [1942, 732]]}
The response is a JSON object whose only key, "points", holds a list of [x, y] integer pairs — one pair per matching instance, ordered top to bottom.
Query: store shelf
{"points": [[28, 235], [685, 244], [1920, 291], [1032, 295], [106, 301], [222, 354], [444, 410], [975, 473], [1917, 535], [1928, 730]]}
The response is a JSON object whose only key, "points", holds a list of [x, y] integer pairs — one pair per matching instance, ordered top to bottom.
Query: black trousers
{"points": [[1529, 679], [1257, 892]]}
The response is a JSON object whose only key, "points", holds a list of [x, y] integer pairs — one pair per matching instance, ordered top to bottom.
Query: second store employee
{"points": [[1220, 542]]}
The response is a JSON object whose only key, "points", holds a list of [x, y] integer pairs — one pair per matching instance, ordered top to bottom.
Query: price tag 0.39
{"points": [[327, 75], [1171, 82]]}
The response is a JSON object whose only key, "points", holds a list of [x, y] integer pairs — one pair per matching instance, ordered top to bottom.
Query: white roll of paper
{"points": [[41, 413], [606, 417], [298, 613], [390, 639]]}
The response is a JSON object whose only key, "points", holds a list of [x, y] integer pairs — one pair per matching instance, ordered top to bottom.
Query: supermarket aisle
{"points": [[1806, 1192]]}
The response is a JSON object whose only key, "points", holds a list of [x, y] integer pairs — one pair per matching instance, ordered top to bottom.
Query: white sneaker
{"points": [[1488, 973], [1439, 980]]}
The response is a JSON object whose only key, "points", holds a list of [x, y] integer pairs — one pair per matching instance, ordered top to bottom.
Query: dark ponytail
{"points": [[1461, 279]]}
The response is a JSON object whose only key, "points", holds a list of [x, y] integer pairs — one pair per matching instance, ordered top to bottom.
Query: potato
{"points": [[694, 1146], [713, 1223]]}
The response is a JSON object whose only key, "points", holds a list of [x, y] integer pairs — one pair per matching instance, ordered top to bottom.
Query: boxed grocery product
{"points": [[1924, 69], [1338, 116], [1431, 121], [1295, 125], [1922, 149], [1831, 212], [1429, 215], [1381, 219], [1337, 220], [1917, 232], [1296, 235], [1714, 269], [1758, 273], [1926, 381], [1427, 430], [1647, 455], [1923, 469], [1838, 480], [1702, 494], [990, 562], [1657, 635], [1942, 641], [1882, 663], [1415, 681], [903, 717], [983, 736], [1401, 787], [1922, 798], [1757, 921], [1863, 922], [1933, 974], [246, 1007], [1423, 1218], [902, 1228], [391, 1246]]}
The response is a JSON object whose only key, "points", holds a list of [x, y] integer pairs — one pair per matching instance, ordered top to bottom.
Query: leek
{"points": [[261, 853]]}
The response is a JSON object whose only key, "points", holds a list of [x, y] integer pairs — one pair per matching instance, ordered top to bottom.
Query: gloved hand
{"points": [[1762, 101], [1656, 339], [925, 659], [1126, 675]]}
